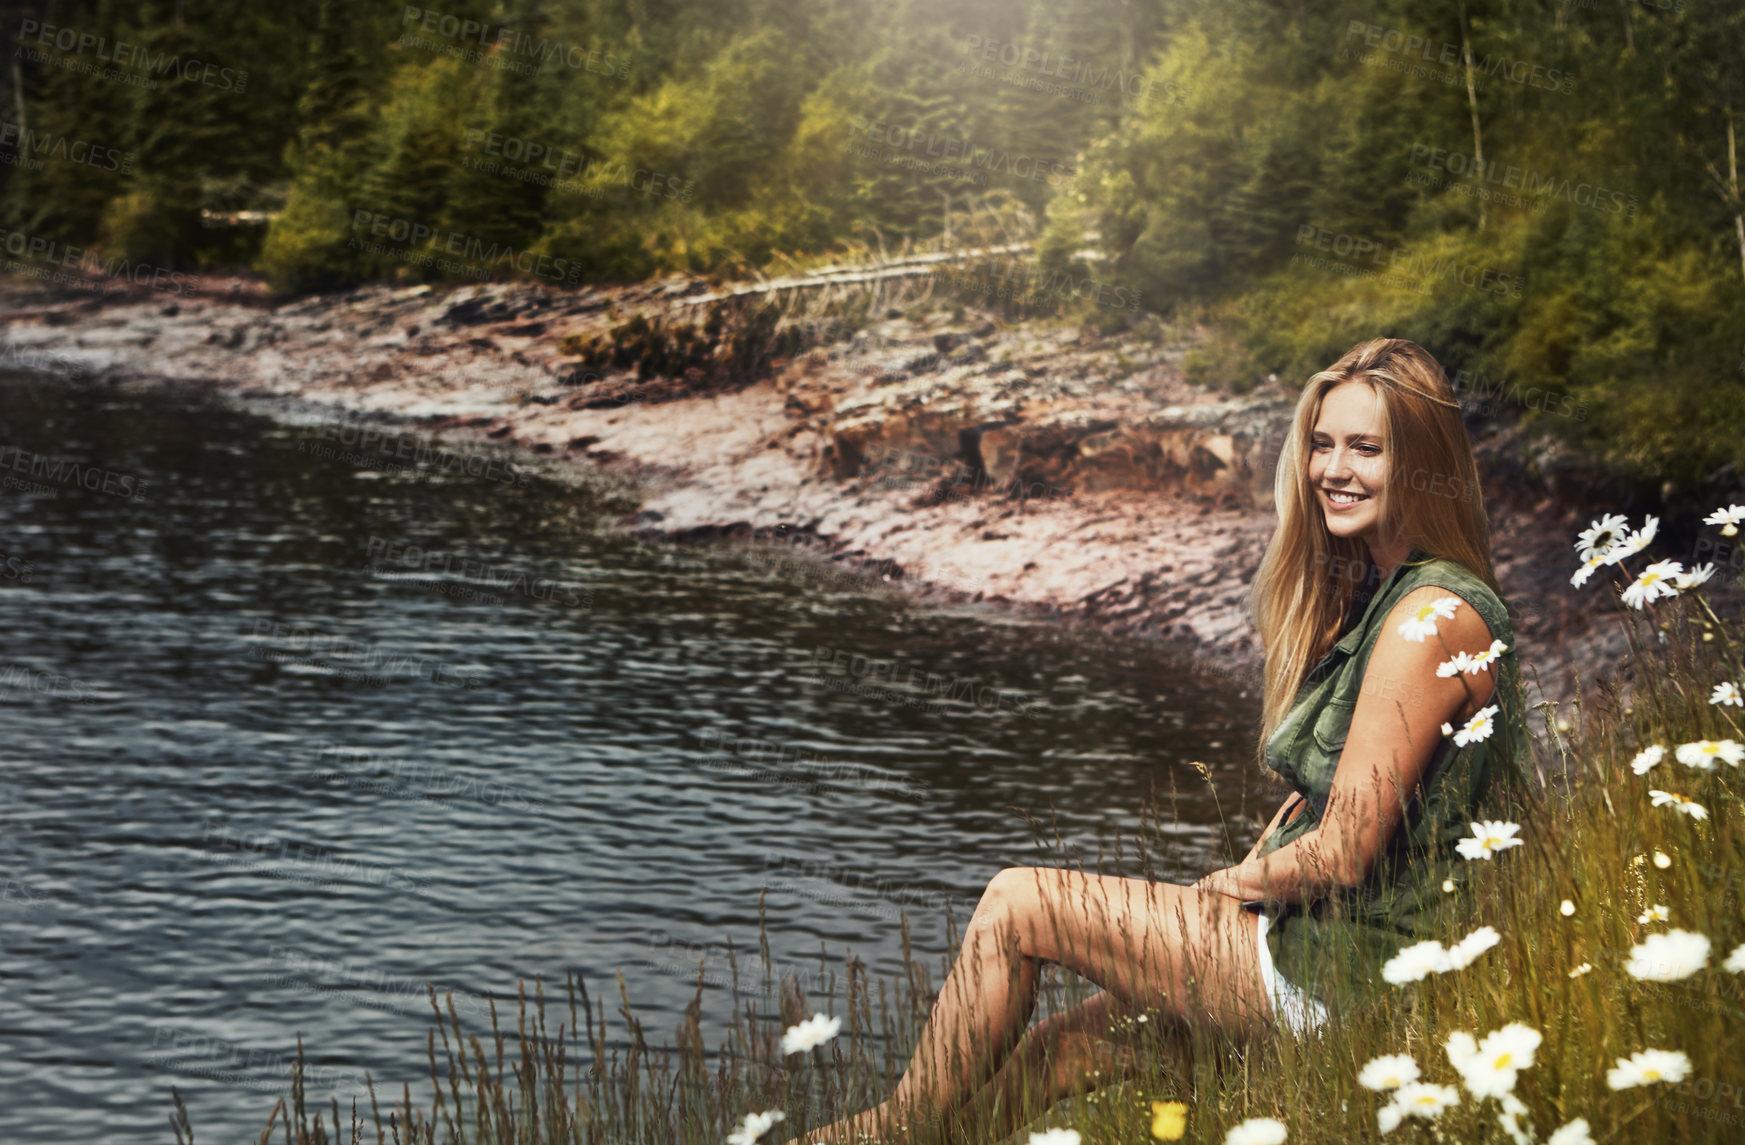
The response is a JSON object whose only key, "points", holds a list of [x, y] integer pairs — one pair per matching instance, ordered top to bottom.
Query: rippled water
{"points": [[256, 786]]}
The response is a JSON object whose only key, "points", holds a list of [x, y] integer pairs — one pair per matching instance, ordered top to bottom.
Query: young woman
{"points": [[1378, 575]]}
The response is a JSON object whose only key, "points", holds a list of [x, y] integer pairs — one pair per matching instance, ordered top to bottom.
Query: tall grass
{"points": [[1592, 838]]}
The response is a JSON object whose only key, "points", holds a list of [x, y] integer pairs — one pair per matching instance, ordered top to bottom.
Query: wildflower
{"points": [[1727, 518], [1601, 537], [1638, 540], [1586, 570], [1685, 581], [1652, 583], [1424, 623], [1479, 661], [1461, 663], [1726, 692], [1477, 728], [1702, 753], [1646, 758], [1689, 806], [1488, 838], [1662, 860], [1447, 886], [1566, 908], [1654, 914], [1462, 953], [1669, 956], [1415, 962], [1735, 963], [1584, 968], [809, 1034], [1462, 1048], [1645, 1067], [1491, 1070], [1389, 1071], [1425, 1099], [1513, 1109], [1387, 1118], [1169, 1120], [755, 1126], [1257, 1131], [1575, 1133], [1055, 1137]]}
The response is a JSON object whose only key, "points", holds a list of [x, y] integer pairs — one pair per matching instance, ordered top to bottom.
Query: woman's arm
{"points": [[1386, 751]]}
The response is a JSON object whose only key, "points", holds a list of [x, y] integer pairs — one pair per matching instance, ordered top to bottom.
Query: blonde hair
{"points": [[1430, 495]]}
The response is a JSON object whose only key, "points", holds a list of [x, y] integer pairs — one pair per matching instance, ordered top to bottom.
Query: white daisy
{"points": [[1727, 518], [1601, 536], [1634, 543], [1586, 570], [1685, 581], [1652, 583], [1424, 623], [1479, 661], [1461, 663], [1726, 692], [1476, 729], [1702, 753], [1647, 758], [1679, 803], [1488, 838], [1662, 860], [1566, 908], [1655, 914], [1462, 953], [1668, 957], [1416, 962], [1735, 963], [1584, 968], [809, 1034], [1645, 1067], [1491, 1070], [1388, 1072], [1424, 1099], [1513, 1108], [1387, 1118], [755, 1126], [1254, 1131], [1575, 1133], [1059, 1137]]}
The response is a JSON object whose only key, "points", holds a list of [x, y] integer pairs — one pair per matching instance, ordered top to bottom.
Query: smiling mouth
{"points": [[1342, 498]]}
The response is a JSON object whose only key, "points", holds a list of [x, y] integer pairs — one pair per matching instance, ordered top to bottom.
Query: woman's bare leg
{"points": [[1188, 954]]}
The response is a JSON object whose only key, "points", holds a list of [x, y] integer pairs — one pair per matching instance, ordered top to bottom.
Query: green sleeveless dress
{"points": [[1334, 948]]}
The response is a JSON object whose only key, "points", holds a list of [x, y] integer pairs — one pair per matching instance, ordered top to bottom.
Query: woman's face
{"points": [[1347, 460]]}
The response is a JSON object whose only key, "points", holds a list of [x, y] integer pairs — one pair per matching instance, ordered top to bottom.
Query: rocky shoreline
{"points": [[1034, 465]]}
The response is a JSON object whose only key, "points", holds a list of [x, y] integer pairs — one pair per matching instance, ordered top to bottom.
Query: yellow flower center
{"points": [[1650, 577], [1425, 611], [1710, 748], [1503, 1062], [1651, 1074]]}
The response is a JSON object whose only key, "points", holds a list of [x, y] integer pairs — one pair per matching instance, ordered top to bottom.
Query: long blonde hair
{"points": [[1431, 495]]}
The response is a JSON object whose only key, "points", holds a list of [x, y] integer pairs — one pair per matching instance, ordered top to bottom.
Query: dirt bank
{"points": [[1034, 465]]}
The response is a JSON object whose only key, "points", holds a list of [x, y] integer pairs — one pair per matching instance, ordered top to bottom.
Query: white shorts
{"points": [[1291, 1007]]}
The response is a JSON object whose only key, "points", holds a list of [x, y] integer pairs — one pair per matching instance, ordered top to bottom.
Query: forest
{"points": [[1543, 192]]}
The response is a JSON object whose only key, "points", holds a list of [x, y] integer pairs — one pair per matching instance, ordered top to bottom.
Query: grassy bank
{"points": [[1618, 930]]}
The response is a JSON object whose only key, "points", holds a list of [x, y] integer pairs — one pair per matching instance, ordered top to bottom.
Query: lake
{"points": [[298, 717]]}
